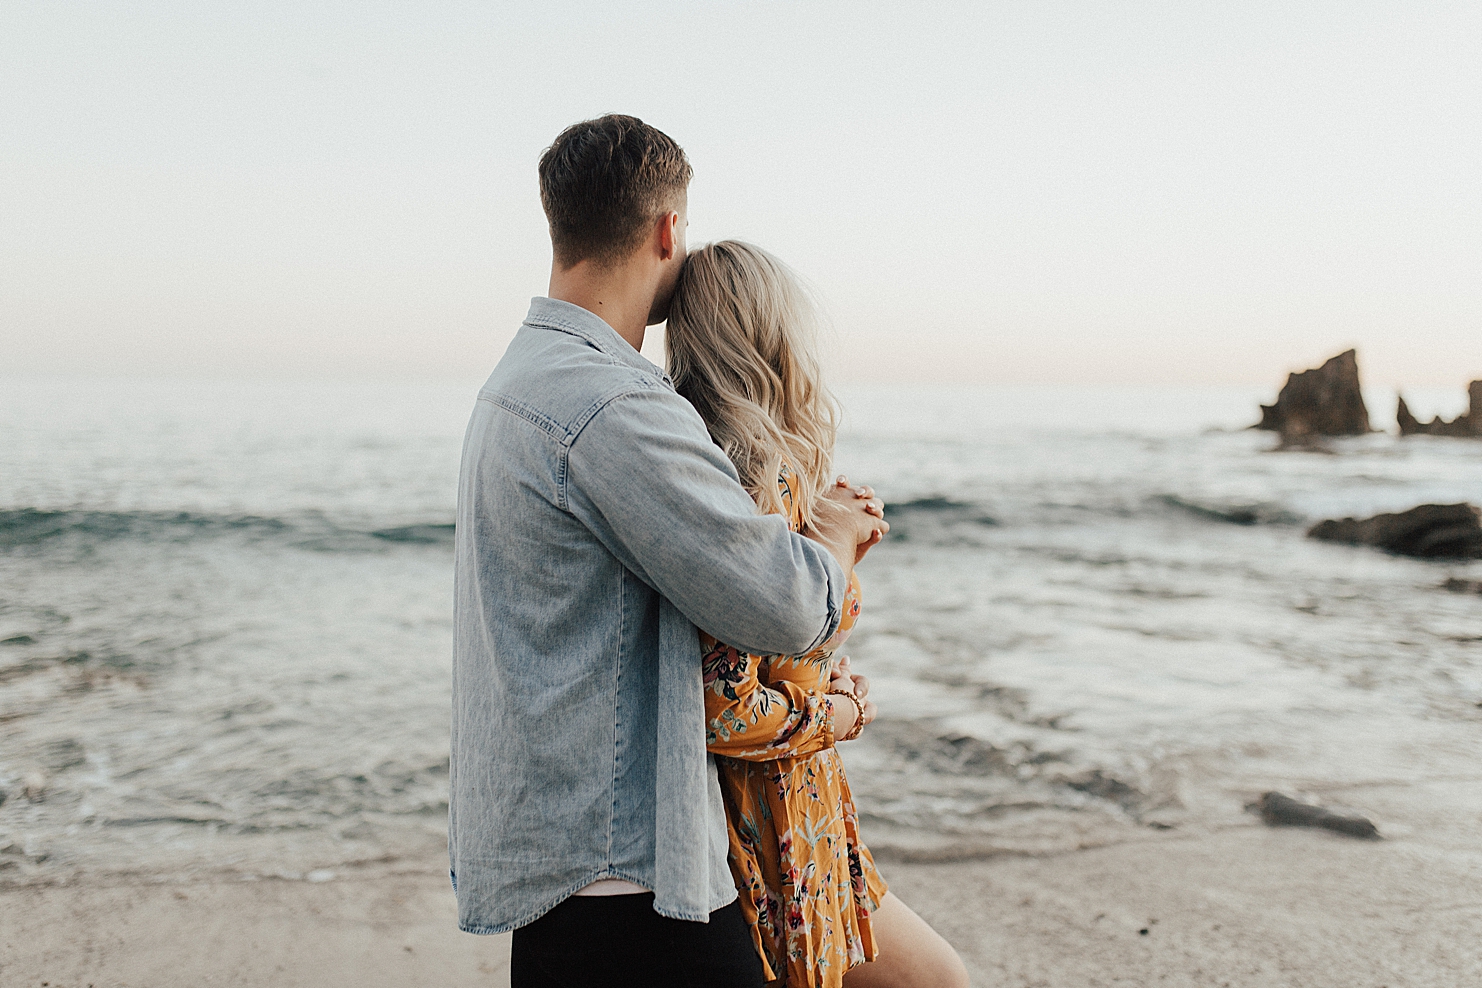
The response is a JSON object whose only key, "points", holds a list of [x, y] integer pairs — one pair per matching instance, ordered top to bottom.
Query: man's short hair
{"points": [[603, 182]]}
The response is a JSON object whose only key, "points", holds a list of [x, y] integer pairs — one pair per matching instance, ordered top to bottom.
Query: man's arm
{"points": [[647, 479]]}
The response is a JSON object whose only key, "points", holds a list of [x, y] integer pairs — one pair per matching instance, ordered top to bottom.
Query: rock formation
{"points": [[1322, 402], [1466, 426], [1430, 531], [1278, 810]]}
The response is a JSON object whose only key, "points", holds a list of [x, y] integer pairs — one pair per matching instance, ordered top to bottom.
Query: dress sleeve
{"points": [[852, 599], [753, 721]]}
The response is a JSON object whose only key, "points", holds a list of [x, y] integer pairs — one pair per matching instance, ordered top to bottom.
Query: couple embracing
{"points": [[654, 573]]}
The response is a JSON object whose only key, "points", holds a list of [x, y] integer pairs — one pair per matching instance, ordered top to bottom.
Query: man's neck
{"points": [[622, 296]]}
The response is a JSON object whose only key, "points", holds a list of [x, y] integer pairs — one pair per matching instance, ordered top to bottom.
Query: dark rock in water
{"points": [[1322, 402], [1406, 420], [1468, 426], [1430, 531], [1454, 584], [1278, 810]]}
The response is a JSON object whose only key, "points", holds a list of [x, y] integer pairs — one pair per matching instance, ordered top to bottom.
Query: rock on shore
{"points": [[1326, 401], [1468, 426], [1430, 531], [1279, 810]]}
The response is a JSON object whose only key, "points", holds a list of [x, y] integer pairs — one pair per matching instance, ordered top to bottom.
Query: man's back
{"points": [[597, 524]]}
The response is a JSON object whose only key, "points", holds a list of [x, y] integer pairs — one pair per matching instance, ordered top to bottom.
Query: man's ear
{"points": [[668, 231]]}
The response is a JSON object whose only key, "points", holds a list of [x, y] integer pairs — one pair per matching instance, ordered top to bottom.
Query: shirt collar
{"points": [[550, 313]]}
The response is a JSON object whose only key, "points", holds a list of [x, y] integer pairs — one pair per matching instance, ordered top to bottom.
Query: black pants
{"points": [[613, 941]]}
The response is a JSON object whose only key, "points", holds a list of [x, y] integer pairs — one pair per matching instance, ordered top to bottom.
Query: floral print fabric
{"points": [[807, 883]]}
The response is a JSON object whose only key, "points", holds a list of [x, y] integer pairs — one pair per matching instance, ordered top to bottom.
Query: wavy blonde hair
{"points": [[742, 346]]}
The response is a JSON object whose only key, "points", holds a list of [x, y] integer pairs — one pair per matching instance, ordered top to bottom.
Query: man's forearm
{"points": [[647, 479], [841, 546]]}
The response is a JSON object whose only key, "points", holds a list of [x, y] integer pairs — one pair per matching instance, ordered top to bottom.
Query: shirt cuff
{"points": [[838, 588]]}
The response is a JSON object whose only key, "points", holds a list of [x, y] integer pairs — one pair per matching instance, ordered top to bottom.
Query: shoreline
{"points": [[1242, 907]]}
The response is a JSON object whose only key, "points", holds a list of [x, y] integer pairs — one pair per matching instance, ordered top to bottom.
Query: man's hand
{"points": [[848, 521]]}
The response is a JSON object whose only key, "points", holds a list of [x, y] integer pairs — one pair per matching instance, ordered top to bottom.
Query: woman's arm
{"points": [[753, 721]]}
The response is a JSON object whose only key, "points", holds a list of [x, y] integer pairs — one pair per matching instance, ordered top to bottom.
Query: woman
{"points": [[741, 348]]}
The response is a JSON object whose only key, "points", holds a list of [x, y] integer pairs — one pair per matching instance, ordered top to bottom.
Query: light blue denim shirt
{"points": [[598, 526]]}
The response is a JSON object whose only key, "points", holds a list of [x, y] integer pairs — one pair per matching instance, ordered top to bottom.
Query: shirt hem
{"points": [[491, 929]]}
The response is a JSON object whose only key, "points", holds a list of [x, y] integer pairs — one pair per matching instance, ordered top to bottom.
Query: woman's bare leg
{"points": [[912, 954]]}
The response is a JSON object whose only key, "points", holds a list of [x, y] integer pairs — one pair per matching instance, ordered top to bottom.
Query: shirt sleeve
{"points": [[645, 477]]}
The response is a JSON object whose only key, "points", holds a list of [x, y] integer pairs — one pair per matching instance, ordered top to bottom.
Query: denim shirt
{"points": [[598, 527]]}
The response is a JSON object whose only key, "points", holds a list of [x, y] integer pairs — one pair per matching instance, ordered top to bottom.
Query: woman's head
{"points": [[742, 347]]}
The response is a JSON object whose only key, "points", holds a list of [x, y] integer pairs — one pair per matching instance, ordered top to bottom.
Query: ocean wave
{"points": [[940, 507], [1261, 513], [937, 520], [947, 520], [82, 528]]}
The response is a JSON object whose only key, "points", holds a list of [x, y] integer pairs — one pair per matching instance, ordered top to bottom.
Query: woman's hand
{"points": [[847, 524], [842, 678]]}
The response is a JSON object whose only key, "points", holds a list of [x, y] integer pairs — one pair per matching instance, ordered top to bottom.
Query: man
{"points": [[598, 526]]}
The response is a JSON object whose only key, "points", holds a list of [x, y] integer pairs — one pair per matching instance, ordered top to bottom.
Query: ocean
{"points": [[225, 624]]}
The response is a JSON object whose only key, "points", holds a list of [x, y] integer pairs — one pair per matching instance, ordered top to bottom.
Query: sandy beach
{"points": [[1247, 907]]}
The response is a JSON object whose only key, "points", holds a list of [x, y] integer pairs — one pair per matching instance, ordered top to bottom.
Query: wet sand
{"points": [[1246, 907]]}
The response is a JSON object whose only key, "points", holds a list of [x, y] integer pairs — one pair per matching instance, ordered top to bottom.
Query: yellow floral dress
{"points": [[807, 883]]}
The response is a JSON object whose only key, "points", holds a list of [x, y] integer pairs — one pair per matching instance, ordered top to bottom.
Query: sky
{"points": [[1130, 193]]}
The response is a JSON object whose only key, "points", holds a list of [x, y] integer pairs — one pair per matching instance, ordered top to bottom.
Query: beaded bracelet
{"points": [[858, 721]]}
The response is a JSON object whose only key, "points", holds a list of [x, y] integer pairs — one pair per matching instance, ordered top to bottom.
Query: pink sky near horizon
{"points": [[993, 193]]}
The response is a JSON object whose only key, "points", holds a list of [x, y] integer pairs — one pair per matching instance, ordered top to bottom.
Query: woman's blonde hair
{"points": [[742, 347]]}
